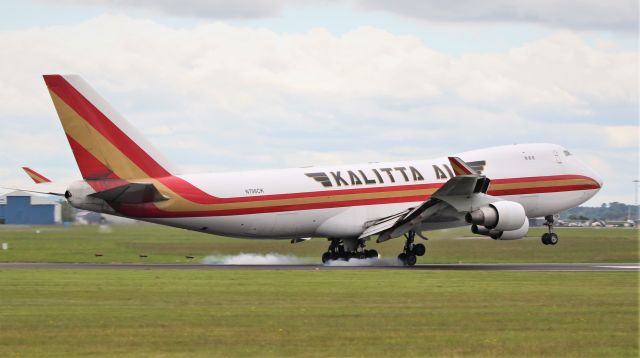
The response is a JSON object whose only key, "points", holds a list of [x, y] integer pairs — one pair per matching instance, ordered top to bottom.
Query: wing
{"points": [[464, 192]]}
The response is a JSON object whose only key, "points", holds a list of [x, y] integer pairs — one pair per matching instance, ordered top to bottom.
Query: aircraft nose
{"points": [[593, 175], [599, 180]]}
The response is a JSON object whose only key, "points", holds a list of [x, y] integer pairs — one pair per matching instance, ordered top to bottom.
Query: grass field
{"points": [[162, 244], [317, 313]]}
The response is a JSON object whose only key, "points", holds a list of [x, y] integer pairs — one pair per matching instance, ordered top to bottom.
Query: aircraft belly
{"points": [[550, 203], [330, 222]]}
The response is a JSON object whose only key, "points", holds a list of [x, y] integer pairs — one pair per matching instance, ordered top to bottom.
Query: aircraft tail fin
{"points": [[104, 144], [35, 176]]}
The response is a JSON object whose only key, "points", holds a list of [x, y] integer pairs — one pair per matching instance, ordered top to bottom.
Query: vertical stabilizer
{"points": [[104, 144]]}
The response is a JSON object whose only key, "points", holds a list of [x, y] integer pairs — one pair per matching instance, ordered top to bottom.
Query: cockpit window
{"points": [[566, 153]]}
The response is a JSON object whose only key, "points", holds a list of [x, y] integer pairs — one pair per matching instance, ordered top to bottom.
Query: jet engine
{"points": [[499, 216], [502, 235]]}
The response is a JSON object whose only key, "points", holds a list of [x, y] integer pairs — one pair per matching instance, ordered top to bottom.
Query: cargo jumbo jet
{"points": [[495, 190]]}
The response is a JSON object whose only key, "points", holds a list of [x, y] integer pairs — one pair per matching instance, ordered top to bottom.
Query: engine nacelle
{"points": [[499, 216], [502, 235]]}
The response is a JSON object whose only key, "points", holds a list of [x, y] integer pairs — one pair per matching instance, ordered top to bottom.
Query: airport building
{"points": [[21, 208]]}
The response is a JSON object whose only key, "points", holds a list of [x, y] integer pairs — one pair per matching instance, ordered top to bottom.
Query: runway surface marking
{"points": [[470, 267]]}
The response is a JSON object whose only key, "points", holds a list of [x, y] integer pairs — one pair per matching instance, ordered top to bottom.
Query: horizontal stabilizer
{"points": [[35, 176], [33, 191], [131, 193]]}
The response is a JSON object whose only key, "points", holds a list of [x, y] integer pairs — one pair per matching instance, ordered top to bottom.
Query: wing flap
{"points": [[462, 192], [383, 224]]}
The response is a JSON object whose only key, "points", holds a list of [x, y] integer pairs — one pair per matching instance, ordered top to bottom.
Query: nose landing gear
{"points": [[549, 238], [409, 256]]}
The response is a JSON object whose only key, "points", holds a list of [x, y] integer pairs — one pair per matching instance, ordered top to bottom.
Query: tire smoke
{"points": [[253, 259]]}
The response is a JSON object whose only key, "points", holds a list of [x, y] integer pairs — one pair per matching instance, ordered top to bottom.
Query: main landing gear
{"points": [[549, 238], [340, 249], [409, 255]]}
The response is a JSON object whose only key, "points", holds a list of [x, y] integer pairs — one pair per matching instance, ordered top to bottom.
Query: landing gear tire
{"points": [[545, 238], [549, 238], [347, 249], [419, 249], [411, 251], [411, 260]]}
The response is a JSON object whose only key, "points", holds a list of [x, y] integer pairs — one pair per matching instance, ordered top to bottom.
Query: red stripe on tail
{"points": [[74, 99], [90, 166]]}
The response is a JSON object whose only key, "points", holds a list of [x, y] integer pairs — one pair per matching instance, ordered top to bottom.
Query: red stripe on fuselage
{"points": [[90, 113], [539, 178], [539, 190], [190, 192], [150, 210]]}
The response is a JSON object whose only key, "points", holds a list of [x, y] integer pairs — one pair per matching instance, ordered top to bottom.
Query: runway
{"points": [[538, 267]]}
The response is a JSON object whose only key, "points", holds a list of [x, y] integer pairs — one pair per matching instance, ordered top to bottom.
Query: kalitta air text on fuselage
{"points": [[400, 174], [367, 176]]}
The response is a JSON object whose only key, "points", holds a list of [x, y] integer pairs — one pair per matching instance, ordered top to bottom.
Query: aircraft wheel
{"points": [[545, 238], [553, 238], [419, 249], [371, 253], [361, 255], [334, 256], [326, 257], [403, 258], [411, 260]]}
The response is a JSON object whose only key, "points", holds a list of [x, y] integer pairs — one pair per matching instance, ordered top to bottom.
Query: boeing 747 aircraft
{"points": [[494, 190]]}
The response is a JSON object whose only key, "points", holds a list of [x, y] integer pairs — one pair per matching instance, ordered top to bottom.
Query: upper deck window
{"points": [[566, 153]]}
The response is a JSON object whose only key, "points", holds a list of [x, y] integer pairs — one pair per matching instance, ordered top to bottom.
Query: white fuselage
{"points": [[347, 219]]}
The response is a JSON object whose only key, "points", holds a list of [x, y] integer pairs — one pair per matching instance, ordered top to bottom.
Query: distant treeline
{"points": [[608, 212]]}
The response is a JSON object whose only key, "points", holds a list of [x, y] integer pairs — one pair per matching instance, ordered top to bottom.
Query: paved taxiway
{"points": [[472, 267]]}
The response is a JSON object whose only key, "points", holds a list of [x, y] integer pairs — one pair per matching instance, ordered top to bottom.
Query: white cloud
{"points": [[215, 9], [575, 14], [578, 14], [229, 97], [623, 136]]}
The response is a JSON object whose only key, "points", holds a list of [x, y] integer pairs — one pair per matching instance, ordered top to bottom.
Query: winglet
{"points": [[460, 167], [37, 177]]}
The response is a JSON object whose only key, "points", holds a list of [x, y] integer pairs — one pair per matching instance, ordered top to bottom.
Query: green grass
{"points": [[162, 244], [317, 313]]}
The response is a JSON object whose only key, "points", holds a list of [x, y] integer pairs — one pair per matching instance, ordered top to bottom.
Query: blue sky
{"points": [[268, 84]]}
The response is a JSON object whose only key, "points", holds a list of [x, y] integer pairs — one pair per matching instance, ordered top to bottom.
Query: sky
{"points": [[219, 85]]}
